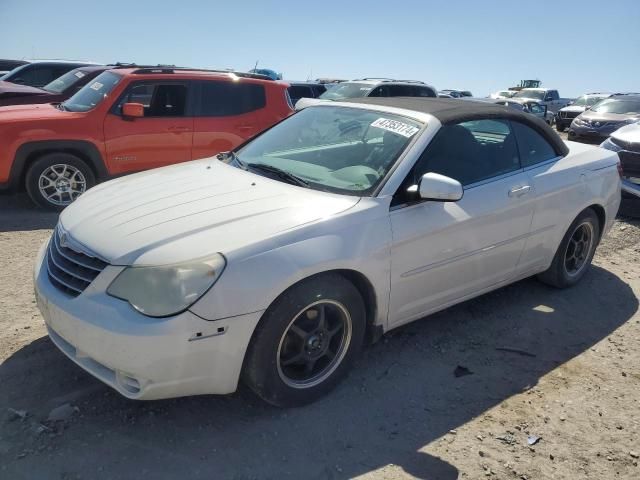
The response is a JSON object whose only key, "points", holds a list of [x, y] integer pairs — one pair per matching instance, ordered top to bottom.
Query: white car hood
{"points": [[628, 133], [189, 211]]}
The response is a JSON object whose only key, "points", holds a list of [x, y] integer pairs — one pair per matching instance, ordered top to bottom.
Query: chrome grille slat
{"points": [[71, 256], [69, 270], [59, 280]]}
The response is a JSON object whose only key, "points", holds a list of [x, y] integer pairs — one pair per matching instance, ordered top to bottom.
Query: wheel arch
{"points": [[29, 152], [601, 214], [365, 288]]}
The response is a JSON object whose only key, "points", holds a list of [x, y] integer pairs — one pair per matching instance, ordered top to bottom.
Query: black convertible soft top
{"points": [[453, 110]]}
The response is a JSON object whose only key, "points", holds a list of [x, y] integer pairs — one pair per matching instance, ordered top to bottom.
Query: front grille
{"points": [[569, 115], [69, 270]]}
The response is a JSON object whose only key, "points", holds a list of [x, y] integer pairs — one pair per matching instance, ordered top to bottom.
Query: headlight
{"points": [[609, 145], [169, 289]]}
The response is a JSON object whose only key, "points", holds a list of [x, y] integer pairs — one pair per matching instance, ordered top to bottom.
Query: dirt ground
{"points": [[559, 369]]}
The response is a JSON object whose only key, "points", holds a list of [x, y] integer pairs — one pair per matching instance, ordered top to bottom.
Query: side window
{"points": [[34, 75], [319, 90], [300, 91], [381, 91], [400, 91], [425, 92], [223, 99], [159, 100], [536, 109], [533, 146], [470, 152]]}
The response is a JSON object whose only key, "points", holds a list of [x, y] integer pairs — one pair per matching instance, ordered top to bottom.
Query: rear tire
{"points": [[560, 127], [55, 180], [573, 257], [294, 358]]}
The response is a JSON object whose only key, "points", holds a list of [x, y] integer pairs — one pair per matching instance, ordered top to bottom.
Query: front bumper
{"points": [[141, 357]]}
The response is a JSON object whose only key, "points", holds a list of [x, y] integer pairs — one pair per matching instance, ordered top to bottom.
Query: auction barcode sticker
{"points": [[96, 86], [394, 126]]}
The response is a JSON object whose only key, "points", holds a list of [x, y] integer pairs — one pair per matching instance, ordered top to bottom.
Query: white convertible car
{"points": [[276, 262]]}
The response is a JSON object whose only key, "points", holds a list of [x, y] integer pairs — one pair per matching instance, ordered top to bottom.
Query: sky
{"points": [[482, 46]]}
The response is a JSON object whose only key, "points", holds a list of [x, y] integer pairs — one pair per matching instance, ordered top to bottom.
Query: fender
{"points": [[84, 149]]}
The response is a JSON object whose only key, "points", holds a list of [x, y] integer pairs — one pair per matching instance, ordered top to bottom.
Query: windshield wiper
{"points": [[61, 107], [283, 174]]}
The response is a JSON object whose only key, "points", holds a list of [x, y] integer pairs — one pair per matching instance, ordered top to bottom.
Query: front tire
{"points": [[560, 127], [56, 179], [574, 255], [306, 341]]}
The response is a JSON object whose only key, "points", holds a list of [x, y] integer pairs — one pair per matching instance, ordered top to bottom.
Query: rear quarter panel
{"points": [[584, 177]]}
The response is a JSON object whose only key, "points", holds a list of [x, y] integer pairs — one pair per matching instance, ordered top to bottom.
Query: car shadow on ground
{"points": [[18, 213], [401, 396]]}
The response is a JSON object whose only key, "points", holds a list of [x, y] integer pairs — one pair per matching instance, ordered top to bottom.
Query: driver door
{"points": [[163, 136], [445, 252]]}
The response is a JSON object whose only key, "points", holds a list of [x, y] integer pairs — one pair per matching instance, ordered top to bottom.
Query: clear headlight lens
{"points": [[609, 145], [169, 289]]}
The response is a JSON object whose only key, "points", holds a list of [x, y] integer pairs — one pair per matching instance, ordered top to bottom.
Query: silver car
{"points": [[604, 118]]}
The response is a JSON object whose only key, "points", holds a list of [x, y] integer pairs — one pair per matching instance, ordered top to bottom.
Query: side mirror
{"points": [[587, 107], [133, 110], [440, 188]]}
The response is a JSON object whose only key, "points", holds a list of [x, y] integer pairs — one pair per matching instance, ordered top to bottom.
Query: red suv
{"points": [[132, 119]]}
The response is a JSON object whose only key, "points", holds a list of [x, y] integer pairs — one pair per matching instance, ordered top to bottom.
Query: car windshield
{"points": [[67, 80], [347, 90], [92, 93], [537, 94], [585, 101], [580, 102], [616, 105], [336, 149]]}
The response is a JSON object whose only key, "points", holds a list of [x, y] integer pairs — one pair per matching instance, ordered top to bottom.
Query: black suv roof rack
{"points": [[174, 69], [411, 81]]}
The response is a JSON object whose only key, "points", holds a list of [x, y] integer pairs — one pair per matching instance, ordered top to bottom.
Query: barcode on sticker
{"points": [[79, 74], [96, 86], [395, 126]]}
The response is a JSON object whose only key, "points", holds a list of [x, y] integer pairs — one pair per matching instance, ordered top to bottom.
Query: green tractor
{"points": [[527, 84]]}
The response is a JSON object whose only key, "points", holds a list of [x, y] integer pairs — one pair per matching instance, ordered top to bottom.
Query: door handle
{"points": [[177, 129], [519, 191]]}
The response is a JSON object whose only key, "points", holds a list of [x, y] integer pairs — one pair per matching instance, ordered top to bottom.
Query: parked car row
{"points": [[38, 73], [57, 90], [566, 114], [409, 205]]}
